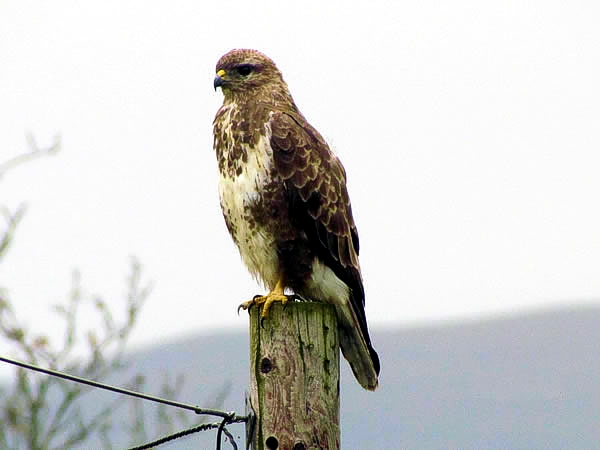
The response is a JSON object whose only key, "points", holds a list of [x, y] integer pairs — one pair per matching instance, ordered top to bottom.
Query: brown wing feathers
{"points": [[315, 176], [316, 185]]}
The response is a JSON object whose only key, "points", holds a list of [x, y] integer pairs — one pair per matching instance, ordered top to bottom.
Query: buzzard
{"points": [[284, 199]]}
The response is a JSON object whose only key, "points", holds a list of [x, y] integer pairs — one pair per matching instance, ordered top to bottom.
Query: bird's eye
{"points": [[244, 70]]}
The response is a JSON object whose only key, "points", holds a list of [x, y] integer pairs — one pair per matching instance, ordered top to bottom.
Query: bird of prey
{"points": [[284, 198]]}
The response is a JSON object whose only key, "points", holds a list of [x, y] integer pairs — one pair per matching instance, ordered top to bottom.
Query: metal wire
{"points": [[118, 390], [196, 429]]}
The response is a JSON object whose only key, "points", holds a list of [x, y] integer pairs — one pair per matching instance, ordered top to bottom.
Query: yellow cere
{"points": [[221, 73]]}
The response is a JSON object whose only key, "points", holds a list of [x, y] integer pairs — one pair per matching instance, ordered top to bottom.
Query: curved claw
{"points": [[276, 295], [257, 299], [241, 306]]}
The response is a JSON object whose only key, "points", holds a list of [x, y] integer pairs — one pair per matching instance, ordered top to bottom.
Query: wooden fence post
{"points": [[294, 377]]}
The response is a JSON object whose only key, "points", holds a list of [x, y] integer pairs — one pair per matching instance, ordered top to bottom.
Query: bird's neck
{"points": [[273, 99]]}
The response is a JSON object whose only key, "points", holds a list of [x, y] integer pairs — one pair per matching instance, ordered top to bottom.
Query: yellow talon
{"points": [[276, 295], [269, 299]]}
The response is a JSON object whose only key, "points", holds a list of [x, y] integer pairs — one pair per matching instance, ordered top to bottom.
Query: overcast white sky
{"points": [[470, 132]]}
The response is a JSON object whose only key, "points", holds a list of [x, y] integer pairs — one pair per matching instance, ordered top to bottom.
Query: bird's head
{"points": [[248, 73]]}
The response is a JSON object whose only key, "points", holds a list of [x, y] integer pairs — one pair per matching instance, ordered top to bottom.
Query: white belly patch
{"points": [[237, 195]]}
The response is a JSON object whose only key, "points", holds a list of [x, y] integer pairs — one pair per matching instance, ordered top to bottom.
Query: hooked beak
{"points": [[219, 81]]}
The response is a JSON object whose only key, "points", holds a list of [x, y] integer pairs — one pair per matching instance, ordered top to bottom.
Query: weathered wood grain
{"points": [[294, 377]]}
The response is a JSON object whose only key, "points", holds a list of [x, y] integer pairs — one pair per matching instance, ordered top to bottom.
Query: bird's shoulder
{"points": [[298, 146]]}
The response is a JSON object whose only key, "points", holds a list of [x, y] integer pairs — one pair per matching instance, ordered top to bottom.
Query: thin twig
{"points": [[35, 152], [12, 220]]}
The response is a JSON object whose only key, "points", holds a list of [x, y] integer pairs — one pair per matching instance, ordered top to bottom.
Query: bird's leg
{"points": [[276, 295]]}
